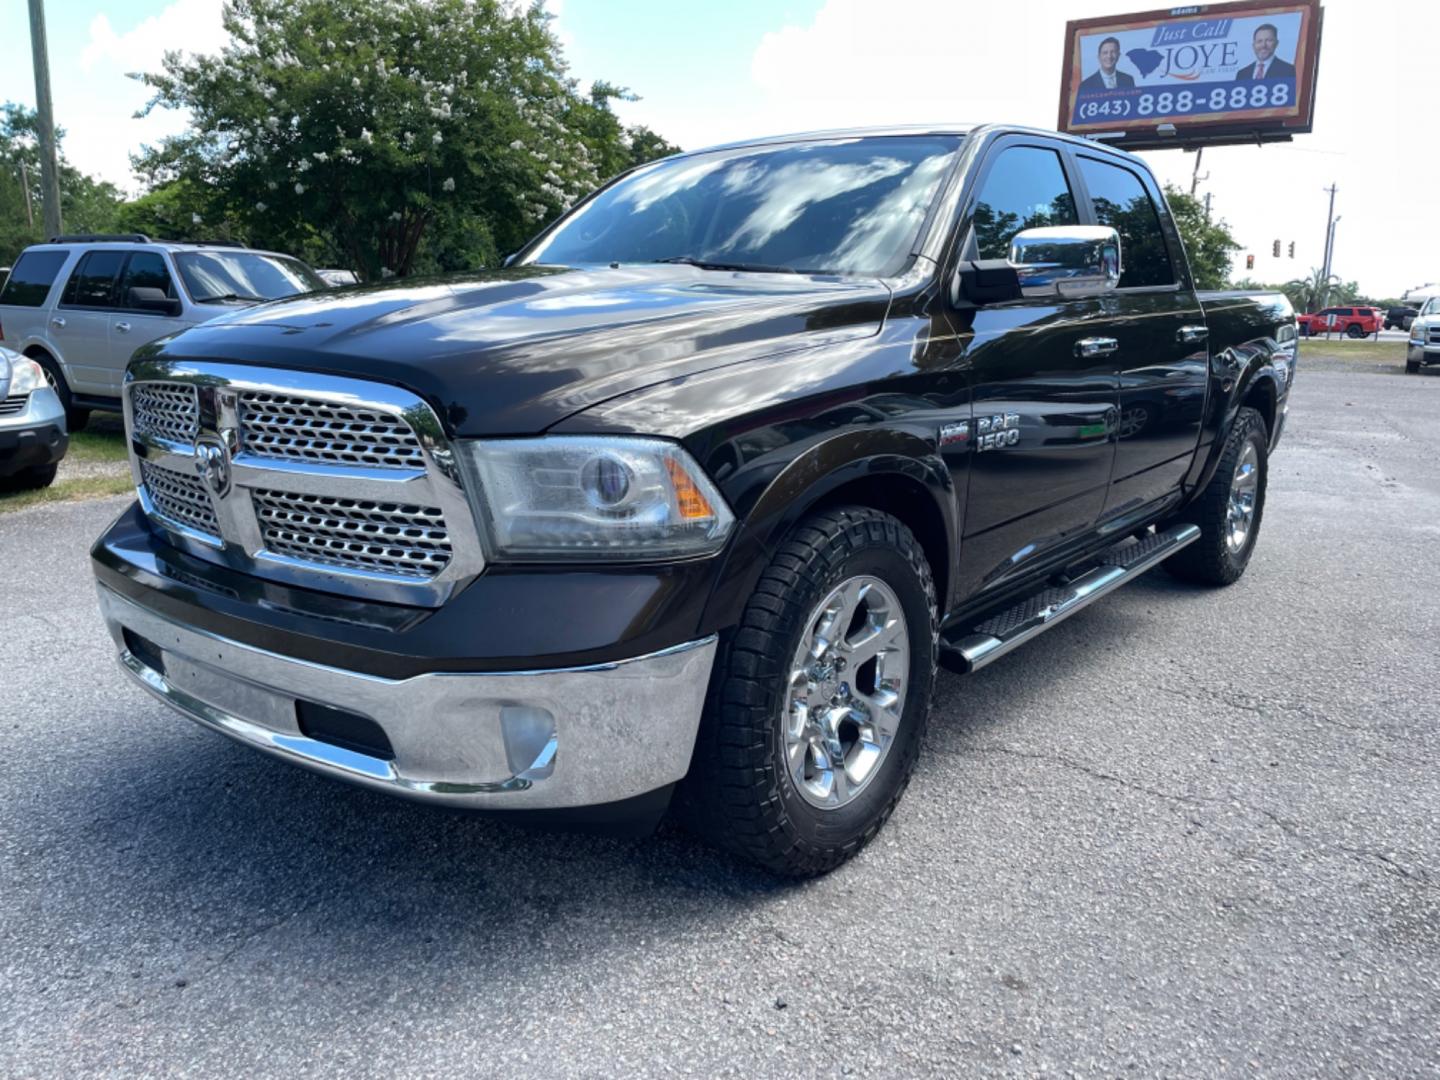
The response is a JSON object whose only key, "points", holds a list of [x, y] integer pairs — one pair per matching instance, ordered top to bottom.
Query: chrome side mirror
{"points": [[1067, 260]]}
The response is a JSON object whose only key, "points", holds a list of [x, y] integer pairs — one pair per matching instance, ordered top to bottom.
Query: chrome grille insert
{"points": [[13, 405], [169, 410], [308, 429], [312, 480], [180, 498], [387, 538]]}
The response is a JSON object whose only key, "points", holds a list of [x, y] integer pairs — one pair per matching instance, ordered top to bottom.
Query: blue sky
{"points": [[714, 70]]}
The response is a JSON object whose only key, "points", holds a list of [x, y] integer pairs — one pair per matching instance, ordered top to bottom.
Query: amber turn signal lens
{"points": [[691, 503]]}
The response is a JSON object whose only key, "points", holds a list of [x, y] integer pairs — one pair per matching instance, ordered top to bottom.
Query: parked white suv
{"points": [[81, 305], [1424, 345]]}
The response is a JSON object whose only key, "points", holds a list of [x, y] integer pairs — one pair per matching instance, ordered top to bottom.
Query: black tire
{"points": [[1354, 330], [1412, 367], [75, 418], [31, 479], [1210, 560], [740, 793]]}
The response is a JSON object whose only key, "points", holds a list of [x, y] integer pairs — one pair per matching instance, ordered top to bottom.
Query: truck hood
{"points": [[515, 351]]}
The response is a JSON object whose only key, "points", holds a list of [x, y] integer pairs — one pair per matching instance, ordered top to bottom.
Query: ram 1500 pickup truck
{"points": [[695, 494]]}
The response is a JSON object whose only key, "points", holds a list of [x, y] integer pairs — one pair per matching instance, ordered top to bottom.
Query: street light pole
{"points": [[45, 114], [1329, 232]]}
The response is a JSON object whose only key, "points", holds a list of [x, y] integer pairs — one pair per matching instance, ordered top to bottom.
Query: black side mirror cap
{"points": [[985, 281], [146, 298]]}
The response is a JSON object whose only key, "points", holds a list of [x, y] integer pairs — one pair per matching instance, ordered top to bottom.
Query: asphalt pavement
{"points": [[1187, 833]]}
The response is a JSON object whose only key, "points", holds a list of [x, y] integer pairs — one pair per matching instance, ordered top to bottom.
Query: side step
{"points": [[971, 650]]}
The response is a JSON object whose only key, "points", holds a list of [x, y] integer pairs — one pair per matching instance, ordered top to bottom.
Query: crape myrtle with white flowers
{"points": [[396, 135]]}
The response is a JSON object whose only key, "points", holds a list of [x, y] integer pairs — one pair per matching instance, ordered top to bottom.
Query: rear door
{"points": [[25, 298], [80, 323], [132, 327], [1163, 358], [1043, 377]]}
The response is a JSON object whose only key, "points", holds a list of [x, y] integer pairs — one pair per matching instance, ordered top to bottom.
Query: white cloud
{"points": [[860, 62], [94, 100]]}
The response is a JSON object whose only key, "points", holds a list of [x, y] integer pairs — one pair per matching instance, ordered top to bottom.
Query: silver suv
{"points": [[81, 305]]}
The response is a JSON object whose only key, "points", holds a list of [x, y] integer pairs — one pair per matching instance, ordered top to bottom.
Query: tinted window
{"points": [[1024, 189], [1121, 201], [853, 206], [146, 270], [31, 278], [93, 283]]}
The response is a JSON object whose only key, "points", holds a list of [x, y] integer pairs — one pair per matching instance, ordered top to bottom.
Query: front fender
{"points": [[898, 467]]}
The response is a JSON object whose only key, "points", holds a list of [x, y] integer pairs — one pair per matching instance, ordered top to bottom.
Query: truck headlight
{"points": [[1417, 332], [26, 376], [591, 496]]}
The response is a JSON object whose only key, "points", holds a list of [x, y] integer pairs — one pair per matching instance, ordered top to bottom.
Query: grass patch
{"points": [[1365, 352], [98, 446], [85, 487]]}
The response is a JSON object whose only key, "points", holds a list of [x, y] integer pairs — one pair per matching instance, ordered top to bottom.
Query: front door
{"points": [[131, 327], [1044, 380]]}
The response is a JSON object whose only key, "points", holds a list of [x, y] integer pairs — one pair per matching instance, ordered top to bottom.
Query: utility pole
{"points": [[45, 113], [1195, 176], [25, 187], [1207, 204], [1329, 232]]}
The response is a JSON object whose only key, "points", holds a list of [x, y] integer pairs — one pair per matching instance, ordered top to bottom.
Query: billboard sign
{"points": [[1206, 73]]}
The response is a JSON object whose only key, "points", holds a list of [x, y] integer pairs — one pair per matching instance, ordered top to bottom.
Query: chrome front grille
{"points": [[1434, 332], [13, 405], [169, 410], [308, 429], [319, 481], [180, 499], [390, 538]]}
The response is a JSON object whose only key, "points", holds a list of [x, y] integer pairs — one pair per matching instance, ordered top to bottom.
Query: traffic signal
{"points": [[1292, 249], [1276, 250], [1249, 262]]}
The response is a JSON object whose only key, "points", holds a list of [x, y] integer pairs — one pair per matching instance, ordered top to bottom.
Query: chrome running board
{"points": [[984, 643]]}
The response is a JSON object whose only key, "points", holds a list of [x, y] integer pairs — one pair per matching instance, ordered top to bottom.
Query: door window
{"points": [[1024, 189], [1121, 201], [146, 270], [29, 282], [93, 283]]}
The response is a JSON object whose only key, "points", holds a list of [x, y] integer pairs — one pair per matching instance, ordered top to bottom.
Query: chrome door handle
{"points": [[58, 322], [122, 327], [1192, 335], [1096, 346]]}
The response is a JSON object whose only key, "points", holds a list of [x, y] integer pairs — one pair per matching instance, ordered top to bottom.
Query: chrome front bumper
{"points": [[515, 740]]}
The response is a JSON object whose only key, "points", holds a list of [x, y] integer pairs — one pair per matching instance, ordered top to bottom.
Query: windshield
{"points": [[850, 206], [213, 276], [1432, 306]]}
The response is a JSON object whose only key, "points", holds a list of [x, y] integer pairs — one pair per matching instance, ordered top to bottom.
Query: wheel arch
{"points": [[898, 473]]}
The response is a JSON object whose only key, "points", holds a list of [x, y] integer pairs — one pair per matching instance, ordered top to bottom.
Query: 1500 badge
{"points": [[997, 432]]}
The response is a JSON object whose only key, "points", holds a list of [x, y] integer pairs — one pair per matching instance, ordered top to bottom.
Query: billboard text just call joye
{"points": [[1222, 67]]}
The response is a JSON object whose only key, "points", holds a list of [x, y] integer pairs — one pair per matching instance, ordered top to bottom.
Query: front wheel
{"points": [[1412, 367], [31, 479], [1229, 511], [820, 696]]}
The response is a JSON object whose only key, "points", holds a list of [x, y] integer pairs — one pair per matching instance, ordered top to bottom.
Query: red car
{"points": [[1355, 322]]}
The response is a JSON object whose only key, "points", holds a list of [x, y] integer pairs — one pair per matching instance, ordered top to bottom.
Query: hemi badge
{"points": [[955, 434]]}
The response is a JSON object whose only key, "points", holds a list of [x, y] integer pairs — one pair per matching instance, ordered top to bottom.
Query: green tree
{"points": [[398, 135], [87, 204], [1208, 244]]}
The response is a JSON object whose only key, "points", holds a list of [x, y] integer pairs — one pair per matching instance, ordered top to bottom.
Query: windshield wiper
{"points": [[703, 264], [230, 296]]}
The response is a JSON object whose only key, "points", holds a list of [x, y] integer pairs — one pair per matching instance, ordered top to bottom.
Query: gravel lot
{"points": [[1188, 833]]}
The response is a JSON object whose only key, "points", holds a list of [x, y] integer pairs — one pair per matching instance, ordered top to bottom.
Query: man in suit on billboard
{"points": [[1267, 65], [1107, 78]]}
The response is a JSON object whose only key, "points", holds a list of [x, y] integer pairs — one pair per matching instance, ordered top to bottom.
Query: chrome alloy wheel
{"points": [[1244, 490], [847, 691]]}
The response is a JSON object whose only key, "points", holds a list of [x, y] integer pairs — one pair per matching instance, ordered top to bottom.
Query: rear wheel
{"points": [[1354, 330], [75, 418], [1229, 511], [819, 698]]}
